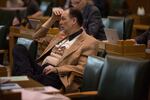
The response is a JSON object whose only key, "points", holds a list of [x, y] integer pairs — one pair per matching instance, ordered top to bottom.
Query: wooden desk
{"points": [[3, 3], [13, 8], [141, 19], [139, 27], [15, 33], [3, 71], [29, 84]]}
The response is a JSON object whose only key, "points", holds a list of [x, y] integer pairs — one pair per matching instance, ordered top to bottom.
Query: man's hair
{"points": [[73, 12]]}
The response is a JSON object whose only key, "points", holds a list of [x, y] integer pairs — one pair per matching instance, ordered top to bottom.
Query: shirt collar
{"points": [[75, 34]]}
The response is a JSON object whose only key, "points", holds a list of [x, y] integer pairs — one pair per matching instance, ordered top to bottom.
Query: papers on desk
{"points": [[24, 41], [147, 50], [1, 66], [14, 78], [8, 86], [46, 89], [36, 95]]}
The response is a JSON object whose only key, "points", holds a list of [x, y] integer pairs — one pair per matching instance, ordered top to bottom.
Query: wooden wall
{"points": [[3, 3], [133, 5], [130, 6]]}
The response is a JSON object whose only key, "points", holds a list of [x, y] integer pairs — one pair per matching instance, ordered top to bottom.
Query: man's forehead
{"points": [[75, 0], [65, 12]]}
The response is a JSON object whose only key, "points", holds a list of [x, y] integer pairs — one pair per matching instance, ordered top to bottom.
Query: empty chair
{"points": [[118, 8], [6, 18], [118, 24], [123, 25], [128, 27], [3, 42], [92, 73], [91, 76], [122, 79]]}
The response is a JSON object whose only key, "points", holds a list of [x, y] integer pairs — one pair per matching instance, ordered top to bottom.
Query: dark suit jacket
{"points": [[102, 6], [92, 22], [143, 38], [71, 65]]}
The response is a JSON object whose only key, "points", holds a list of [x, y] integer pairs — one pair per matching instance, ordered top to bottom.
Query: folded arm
{"points": [[41, 32]]}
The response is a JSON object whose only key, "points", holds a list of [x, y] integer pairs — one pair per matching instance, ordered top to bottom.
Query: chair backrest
{"points": [[46, 7], [118, 8], [6, 17], [105, 22], [118, 24], [122, 25], [128, 27], [3, 34], [31, 45], [92, 73], [124, 79]]}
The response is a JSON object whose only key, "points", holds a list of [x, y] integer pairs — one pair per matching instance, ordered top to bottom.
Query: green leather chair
{"points": [[118, 8], [6, 18], [118, 24], [122, 25], [128, 28], [3, 35], [3, 42], [94, 67], [91, 76], [121, 79], [124, 79]]}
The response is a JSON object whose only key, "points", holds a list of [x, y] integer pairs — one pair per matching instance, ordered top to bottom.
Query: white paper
{"points": [[15, 78], [8, 86], [46, 89], [35, 95]]}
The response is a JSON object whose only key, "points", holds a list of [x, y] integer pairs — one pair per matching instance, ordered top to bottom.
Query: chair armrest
{"points": [[79, 94]]}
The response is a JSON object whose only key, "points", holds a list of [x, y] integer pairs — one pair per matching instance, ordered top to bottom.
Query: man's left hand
{"points": [[49, 69]]}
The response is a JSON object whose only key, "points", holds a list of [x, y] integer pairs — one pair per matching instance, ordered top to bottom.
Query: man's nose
{"points": [[60, 22]]}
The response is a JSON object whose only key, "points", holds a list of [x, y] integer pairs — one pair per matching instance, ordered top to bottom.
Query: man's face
{"points": [[79, 4], [66, 22]]}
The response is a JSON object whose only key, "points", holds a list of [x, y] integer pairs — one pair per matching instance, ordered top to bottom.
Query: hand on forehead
{"points": [[58, 11]]}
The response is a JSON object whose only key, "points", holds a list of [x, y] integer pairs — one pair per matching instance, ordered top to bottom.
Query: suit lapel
{"points": [[51, 45], [74, 47]]}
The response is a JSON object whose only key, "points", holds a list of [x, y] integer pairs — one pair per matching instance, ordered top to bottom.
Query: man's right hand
{"points": [[56, 13], [42, 31]]}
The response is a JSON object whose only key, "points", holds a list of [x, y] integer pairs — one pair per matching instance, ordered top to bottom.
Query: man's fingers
{"points": [[57, 11], [47, 72]]}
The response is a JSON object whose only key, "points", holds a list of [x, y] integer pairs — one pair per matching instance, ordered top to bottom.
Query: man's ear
{"points": [[74, 20]]}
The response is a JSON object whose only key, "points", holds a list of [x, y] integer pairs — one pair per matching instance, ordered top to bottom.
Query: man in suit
{"points": [[102, 6], [92, 18], [144, 38], [64, 58]]}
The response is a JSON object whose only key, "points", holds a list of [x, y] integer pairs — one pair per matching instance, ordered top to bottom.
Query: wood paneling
{"points": [[3, 3], [133, 5]]}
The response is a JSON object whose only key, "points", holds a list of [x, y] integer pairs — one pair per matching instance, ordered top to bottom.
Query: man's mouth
{"points": [[61, 28]]}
